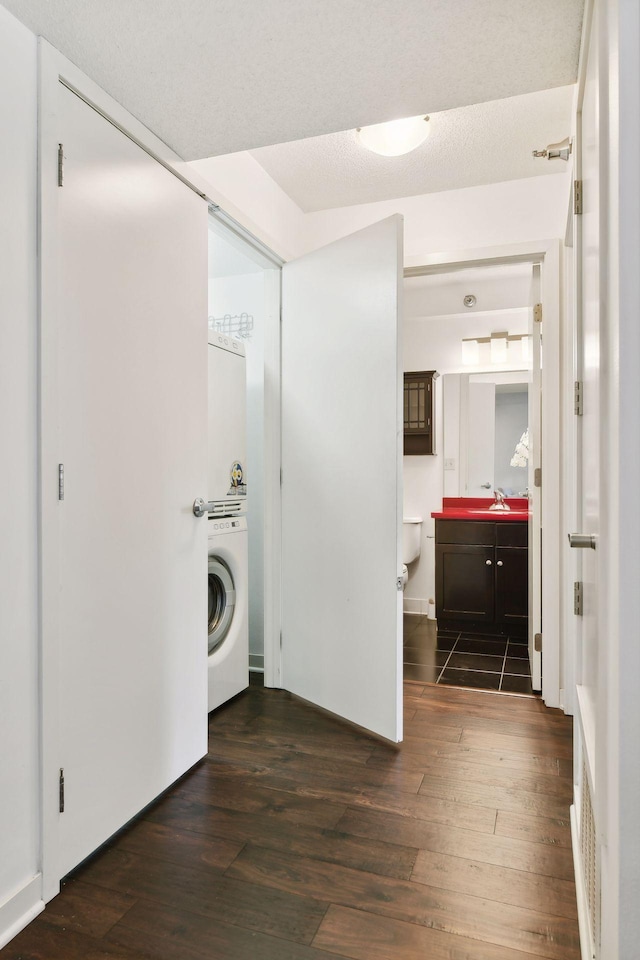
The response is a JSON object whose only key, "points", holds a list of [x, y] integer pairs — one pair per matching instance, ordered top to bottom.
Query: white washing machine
{"points": [[228, 555], [228, 608]]}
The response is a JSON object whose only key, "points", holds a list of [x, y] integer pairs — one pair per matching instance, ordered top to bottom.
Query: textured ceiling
{"points": [[219, 76], [468, 146]]}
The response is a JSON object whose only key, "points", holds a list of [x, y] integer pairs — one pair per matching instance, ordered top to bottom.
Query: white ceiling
{"points": [[218, 76], [484, 143], [497, 288]]}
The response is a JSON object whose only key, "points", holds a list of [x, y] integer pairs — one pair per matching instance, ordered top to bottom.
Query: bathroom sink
{"points": [[478, 508]]}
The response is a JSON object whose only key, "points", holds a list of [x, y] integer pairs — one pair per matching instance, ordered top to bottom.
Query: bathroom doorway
{"points": [[454, 313]]}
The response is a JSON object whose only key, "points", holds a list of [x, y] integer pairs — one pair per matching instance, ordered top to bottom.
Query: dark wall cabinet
{"points": [[418, 413], [482, 576]]}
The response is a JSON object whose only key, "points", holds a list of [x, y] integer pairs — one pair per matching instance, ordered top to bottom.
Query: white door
{"points": [[132, 375], [481, 439], [342, 482], [535, 626]]}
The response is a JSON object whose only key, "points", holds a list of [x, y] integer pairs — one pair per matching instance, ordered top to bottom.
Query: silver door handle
{"points": [[486, 486], [200, 507], [584, 541], [488, 562], [499, 563]]}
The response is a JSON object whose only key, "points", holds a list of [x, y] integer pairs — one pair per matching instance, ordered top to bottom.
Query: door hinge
{"points": [[60, 165], [577, 196], [537, 313], [577, 398], [280, 476], [537, 477], [61, 481], [577, 598], [281, 639], [537, 642], [61, 791]]}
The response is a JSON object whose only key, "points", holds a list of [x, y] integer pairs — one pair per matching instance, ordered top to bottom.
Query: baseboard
{"points": [[414, 605], [256, 662], [20, 909], [584, 927]]}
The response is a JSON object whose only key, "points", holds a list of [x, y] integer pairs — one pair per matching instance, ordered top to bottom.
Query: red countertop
{"points": [[477, 508]]}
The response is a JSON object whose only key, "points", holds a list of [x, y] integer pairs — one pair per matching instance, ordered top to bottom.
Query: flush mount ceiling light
{"points": [[396, 137]]}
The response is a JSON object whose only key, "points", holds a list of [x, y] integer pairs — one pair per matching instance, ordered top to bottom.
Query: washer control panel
{"points": [[226, 525]]}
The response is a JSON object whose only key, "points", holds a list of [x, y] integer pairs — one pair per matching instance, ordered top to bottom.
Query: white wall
{"points": [[246, 192], [499, 213], [19, 776]]}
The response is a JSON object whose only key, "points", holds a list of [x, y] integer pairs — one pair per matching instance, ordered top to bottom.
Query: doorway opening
{"points": [[472, 603]]}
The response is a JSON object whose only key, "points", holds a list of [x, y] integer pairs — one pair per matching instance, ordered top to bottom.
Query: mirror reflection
{"points": [[486, 419]]}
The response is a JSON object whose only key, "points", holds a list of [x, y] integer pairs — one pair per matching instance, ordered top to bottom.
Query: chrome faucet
{"points": [[499, 502]]}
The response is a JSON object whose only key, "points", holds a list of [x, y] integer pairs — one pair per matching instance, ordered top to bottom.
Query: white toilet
{"points": [[411, 543]]}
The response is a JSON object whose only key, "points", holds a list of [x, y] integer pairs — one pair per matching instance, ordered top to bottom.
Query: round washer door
{"points": [[222, 601]]}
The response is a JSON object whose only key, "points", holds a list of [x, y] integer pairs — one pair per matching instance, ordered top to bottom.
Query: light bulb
{"points": [[396, 137], [498, 349], [470, 352]]}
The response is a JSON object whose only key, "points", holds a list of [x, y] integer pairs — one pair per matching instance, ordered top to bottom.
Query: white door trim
{"points": [[547, 254]]}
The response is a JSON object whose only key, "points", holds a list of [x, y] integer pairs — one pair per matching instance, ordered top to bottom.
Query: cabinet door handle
{"points": [[488, 562], [499, 564]]}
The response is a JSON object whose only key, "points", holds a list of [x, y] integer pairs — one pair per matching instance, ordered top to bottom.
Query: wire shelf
{"points": [[233, 325]]}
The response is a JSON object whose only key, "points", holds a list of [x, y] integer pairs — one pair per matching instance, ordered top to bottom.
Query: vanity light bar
{"points": [[498, 343]]}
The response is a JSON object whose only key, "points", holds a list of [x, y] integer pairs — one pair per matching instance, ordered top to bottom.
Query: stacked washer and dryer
{"points": [[227, 521]]}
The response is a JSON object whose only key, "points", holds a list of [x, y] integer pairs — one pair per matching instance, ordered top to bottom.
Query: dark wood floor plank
{"points": [[528, 704], [506, 710], [289, 737], [557, 744], [556, 747], [251, 749], [520, 762], [304, 769], [489, 774], [288, 796], [498, 798], [303, 806], [555, 832], [178, 846], [379, 856], [535, 858], [505, 885], [207, 893], [85, 909], [473, 917], [177, 935], [364, 936], [43, 941]]}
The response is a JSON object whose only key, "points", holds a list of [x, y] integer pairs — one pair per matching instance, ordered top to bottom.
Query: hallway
{"points": [[300, 838]]}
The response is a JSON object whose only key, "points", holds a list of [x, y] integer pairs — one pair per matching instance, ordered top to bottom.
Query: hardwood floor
{"points": [[301, 838]]}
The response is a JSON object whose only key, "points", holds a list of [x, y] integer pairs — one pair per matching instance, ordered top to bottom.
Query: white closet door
{"points": [[132, 375], [342, 482]]}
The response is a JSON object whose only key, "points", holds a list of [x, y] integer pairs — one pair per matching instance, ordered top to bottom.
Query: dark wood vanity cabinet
{"points": [[482, 575]]}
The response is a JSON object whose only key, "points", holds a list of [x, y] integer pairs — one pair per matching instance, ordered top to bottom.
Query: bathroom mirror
{"points": [[484, 418]]}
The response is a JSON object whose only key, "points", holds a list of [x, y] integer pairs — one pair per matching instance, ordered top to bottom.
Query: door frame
{"points": [[55, 69], [557, 672]]}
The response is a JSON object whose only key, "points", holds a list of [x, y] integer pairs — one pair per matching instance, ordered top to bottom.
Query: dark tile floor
{"points": [[464, 659]]}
